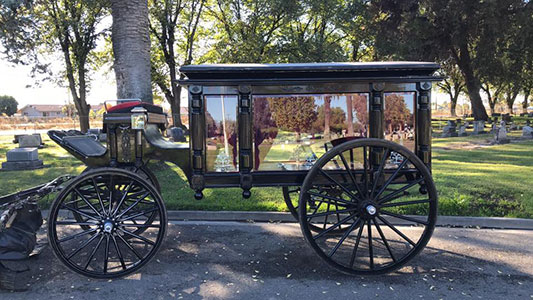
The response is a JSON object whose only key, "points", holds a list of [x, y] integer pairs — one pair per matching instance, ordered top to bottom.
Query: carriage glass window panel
{"points": [[400, 118], [292, 131], [221, 135]]}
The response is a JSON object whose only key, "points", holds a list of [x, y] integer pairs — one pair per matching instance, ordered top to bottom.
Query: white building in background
{"points": [[42, 110]]}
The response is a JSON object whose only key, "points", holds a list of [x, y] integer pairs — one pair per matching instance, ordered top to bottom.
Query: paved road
{"points": [[215, 260]]}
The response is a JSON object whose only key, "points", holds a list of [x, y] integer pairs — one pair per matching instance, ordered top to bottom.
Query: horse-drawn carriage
{"points": [[349, 144]]}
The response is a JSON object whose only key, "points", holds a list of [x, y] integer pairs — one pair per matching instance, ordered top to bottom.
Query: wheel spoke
{"points": [[365, 167], [349, 170], [380, 171], [391, 178], [97, 189], [111, 189], [347, 191], [390, 196], [123, 197], [337, 200], [87, 202], [405, 203], [133, 205], [79, 212], [328, 213], [138, 214], [404, 217], [75, 223], [140, 225], [332, 227], [397, 231], [344, 236], [70, 237], [137, 237], [384, 239], [357, 240], [87, 242], [130, 247], [370, 247], [93, 253], [119, 253], [106, 257]]}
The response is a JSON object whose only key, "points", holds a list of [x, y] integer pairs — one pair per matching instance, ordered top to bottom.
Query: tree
{"points": [[72, 27], [174, 28], [248, 30], [467, 32], [131, 49], [453, 84], [493, 94], [8, 105], [360, 106], [396, 112], [294, 113], [337, 120], [264, 128]]}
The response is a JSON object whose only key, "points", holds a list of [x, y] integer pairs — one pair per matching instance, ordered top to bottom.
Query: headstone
{"points": [[513, 126], [479, 127], [449, 130], [462, 130], [527, 131], [177, 135], [501, 136], [29, 140], [22, 159]]}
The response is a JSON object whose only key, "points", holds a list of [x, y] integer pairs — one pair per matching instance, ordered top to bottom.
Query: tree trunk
{"points": [[131, 48], [524, 103], [453, 105], [478, 109], [492, 112], [327, 115], [349, 117]]}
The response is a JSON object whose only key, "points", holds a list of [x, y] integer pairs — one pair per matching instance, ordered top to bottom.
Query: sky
{"points": [[14, 79]]}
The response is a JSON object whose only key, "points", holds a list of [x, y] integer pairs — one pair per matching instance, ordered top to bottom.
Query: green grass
{"points": [[489, 181]]}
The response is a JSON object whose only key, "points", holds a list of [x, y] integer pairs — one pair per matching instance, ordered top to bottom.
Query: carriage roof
{"points": [[360, 71]]}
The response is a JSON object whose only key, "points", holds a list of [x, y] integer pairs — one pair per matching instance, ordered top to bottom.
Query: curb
{"points": [[285, 217]]}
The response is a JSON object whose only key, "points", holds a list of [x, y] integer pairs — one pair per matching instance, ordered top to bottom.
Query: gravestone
{"points": [[513, 126], [479, 127], [462, 129], [449, 130], [527, 131], [501, 136], [30, 141], [22, 159]]}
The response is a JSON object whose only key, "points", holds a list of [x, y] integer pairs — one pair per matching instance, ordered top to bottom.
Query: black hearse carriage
{"points": [[349, 144]]}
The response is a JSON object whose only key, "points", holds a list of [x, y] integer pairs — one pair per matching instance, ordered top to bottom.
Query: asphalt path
{"points": [[229, 260]]}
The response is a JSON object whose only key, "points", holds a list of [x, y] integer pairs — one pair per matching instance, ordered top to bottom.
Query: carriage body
{"points": [[264, 139], [349, 144]]}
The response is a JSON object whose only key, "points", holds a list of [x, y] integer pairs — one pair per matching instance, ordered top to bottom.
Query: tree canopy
{"points": [[8, 105]]}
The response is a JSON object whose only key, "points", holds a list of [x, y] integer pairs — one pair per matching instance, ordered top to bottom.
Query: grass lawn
{"points": [[472, 181]]}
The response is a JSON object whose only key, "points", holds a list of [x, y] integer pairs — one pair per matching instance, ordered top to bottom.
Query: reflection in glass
{"points": [[400, 119], [221, 126], [292, 131]]}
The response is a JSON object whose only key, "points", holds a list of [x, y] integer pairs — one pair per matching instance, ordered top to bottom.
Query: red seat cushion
{"points": [[126, 107]]}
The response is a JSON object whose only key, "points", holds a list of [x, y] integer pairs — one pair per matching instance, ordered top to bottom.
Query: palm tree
{"points": [[131, 46]]}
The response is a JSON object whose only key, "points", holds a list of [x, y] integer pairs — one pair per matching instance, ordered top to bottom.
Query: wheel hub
{"points": [[371, 209], [108, 226]]}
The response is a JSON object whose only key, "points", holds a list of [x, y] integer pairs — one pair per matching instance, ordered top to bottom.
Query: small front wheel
{"points": [[386, 202], [109, 244]]}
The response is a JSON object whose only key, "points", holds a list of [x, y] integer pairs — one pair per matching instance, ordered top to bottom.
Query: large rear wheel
{"points": [[387, 206]]}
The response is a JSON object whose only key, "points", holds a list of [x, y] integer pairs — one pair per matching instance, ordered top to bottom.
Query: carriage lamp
{"points": [[138, 118], [138, 122]]}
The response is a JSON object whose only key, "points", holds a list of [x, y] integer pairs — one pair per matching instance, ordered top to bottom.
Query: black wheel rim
{"points": [[142, 171], [115, 204], [388, 206]]}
